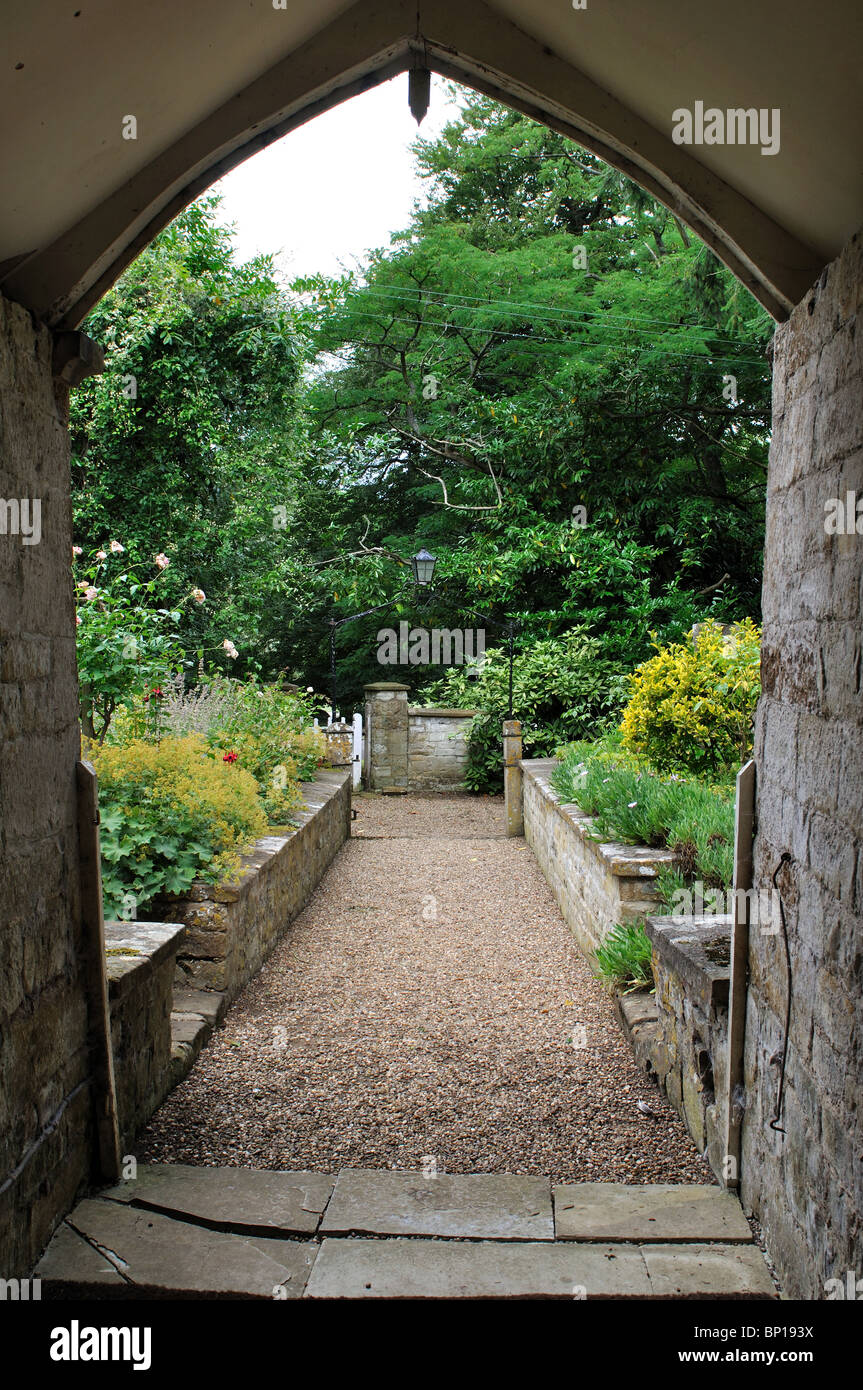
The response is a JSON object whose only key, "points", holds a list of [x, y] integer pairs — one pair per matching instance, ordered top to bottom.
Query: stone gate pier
{"points": [[410, 747]]}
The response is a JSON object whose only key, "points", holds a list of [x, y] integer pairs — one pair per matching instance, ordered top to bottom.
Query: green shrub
{"points": [[125, 642], [562, 689], [692, 705], [270, 730], [628, 802], [169, 813], [622, 961]]}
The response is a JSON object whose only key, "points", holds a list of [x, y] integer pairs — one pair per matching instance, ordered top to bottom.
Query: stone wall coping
{"points": [[386, 685], [433, 712], [326, 785], [624, 861], [680, 943], [135, 949]]}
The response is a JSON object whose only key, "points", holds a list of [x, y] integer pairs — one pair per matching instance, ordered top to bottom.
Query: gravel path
{"points": [[424, 1005]]}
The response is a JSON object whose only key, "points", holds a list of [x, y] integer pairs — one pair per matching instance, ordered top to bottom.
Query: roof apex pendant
{"points": [[419, 92]]}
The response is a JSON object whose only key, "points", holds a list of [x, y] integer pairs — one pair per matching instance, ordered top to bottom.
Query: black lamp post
{"points": [[423, 567]]}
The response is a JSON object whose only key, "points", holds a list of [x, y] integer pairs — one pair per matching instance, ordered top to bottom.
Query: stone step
{"points": [[209, 1004], [189, 1035], [236, 1199], [479, 1206], [652, 1212], [254, 1233], [107, 1249], [404, 1268]]}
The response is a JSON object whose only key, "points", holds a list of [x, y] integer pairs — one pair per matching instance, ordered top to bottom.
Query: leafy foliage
{"points": [[473, 387], [559, 435], [187, 444], [125, 644], [562, 689], [693, 703], [264, 728], [271, 732], [629, 803], [170, 813], [622, 960]]}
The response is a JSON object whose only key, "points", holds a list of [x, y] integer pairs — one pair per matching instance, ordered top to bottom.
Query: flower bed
{"points": [[190, 780], [628, 801], [170, 981]]}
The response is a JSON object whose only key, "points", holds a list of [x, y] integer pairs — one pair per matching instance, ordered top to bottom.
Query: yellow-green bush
{"points": [[692, 705], [277, 757], [170, 812]]}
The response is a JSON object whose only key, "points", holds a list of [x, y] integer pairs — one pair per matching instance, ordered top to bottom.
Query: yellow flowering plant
{"points": [[691, 705], [170, 812]]}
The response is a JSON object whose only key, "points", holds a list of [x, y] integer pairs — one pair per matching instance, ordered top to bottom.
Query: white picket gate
{"points": [[356, 743]]}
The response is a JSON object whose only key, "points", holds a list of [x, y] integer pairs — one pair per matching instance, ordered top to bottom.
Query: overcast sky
{"points": [[335, 188]]}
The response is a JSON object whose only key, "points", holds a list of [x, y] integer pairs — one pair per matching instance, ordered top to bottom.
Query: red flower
{"points": [[229, 757]]}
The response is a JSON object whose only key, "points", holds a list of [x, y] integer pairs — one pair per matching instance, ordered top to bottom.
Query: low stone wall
{"points": [[437, 748], [595, 884], [230, 928], [141, 958], [689, 1050]]}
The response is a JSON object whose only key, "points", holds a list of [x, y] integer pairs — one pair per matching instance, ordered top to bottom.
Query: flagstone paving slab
{"points": [[233, 1198], [484, 1206], [652, 1212], [495, 1239], [154, 1253], [71, 1261], [403, 1268], [707, 1271]]}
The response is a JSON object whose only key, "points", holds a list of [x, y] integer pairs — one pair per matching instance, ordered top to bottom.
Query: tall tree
{"points": [[548, 380], [187, 445]]}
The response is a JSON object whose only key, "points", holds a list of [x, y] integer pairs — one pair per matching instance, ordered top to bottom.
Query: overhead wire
{"points": [[556, 343]]}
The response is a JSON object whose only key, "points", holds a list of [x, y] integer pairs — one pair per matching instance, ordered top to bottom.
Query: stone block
{"points": [[243, 1200], [487, 1206], [603, 1211], [159, 1257], [464, 1269], [708, 1271]]}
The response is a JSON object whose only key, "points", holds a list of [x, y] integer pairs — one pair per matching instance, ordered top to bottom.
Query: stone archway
{"points": [[473, 43]]}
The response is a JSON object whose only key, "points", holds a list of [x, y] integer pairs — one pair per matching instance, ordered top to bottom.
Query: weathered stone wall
{"points": [[386, 725], [437, 750], [595, 884], [230, 929], [141, 960], [689, 1050], [45, 1133], [806, 1185]]}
